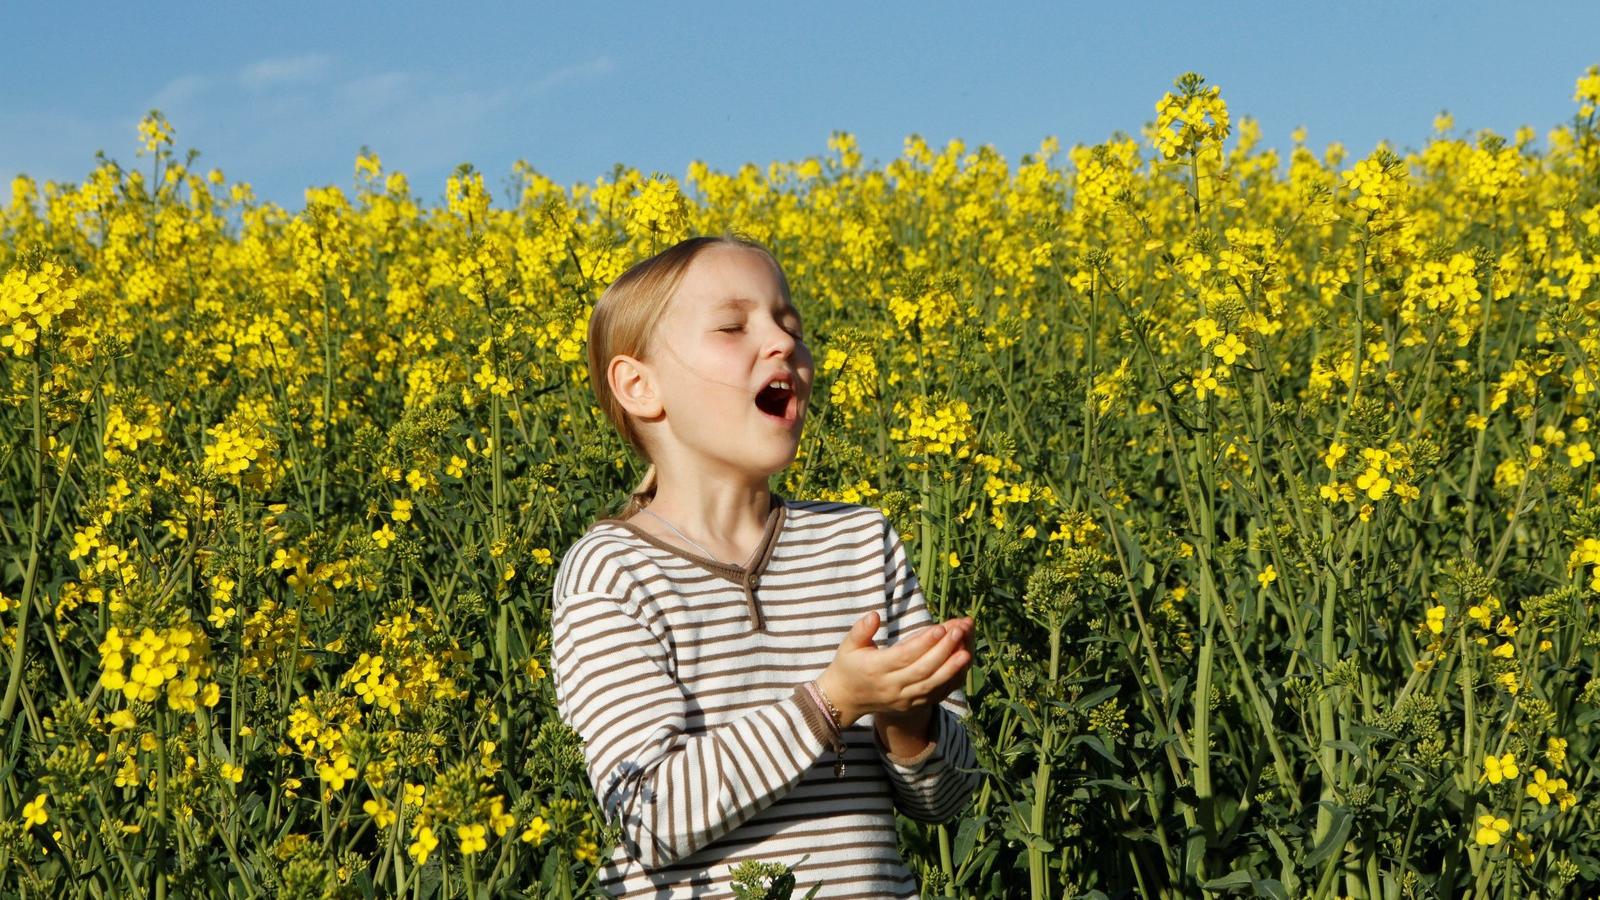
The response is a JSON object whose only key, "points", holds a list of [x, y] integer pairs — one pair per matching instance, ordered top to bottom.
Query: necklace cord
{"points": [[685, 536]]}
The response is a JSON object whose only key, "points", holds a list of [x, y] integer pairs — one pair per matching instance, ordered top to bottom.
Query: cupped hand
{"points": [[919, 670]]}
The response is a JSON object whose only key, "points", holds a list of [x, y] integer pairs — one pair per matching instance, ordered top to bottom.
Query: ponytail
{"points": [[641, 495]]}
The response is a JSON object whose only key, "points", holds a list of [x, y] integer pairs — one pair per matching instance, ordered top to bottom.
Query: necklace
{"points": [[684, 536]]}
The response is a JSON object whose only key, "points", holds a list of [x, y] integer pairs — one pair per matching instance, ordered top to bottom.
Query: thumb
{"points": [[860, 634]]}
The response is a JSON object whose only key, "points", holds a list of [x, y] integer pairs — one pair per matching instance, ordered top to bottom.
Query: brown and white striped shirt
{"points": [[683, 677]]}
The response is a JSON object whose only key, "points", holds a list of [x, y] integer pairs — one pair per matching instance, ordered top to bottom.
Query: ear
{"points": [[633, 384]]}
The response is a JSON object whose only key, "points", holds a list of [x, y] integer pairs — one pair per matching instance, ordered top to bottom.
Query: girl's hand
{"points": [[968, 637], [919, 670]]}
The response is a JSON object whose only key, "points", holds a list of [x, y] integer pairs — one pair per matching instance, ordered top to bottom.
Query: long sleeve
{"points": [[930, 787], [673, 793]]}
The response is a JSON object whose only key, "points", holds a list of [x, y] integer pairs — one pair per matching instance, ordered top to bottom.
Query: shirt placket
{"points": [[748, 582]]}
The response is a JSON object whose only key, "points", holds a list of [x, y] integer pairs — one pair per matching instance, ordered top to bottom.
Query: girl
{"points": [[713, 642]]}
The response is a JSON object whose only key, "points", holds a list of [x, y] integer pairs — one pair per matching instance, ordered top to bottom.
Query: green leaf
{"points": [[1135, 552], [1090, 701], [1093, 742], [966, 836], [1031, 841], [1334, 842], [1229, 881], [1271, 887]]}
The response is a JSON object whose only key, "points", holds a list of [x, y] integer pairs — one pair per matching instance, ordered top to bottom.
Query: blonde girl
{"points": [[717, 646]]}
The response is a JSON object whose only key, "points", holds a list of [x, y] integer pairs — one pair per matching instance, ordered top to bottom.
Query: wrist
{"points": [[833, 694], [916, 719], [904, 735]]}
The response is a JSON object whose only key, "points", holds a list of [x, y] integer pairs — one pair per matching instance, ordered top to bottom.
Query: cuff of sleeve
{"points": [[815, 723], [911, 764]]}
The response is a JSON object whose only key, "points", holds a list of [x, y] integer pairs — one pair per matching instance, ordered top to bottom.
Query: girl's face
{"points": [[727, 336]]}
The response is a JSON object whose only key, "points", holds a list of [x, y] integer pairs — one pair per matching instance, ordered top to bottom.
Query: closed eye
{"points": [[799, 336]]}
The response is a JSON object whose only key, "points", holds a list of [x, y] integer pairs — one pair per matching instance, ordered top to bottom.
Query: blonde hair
{"points": [[624, 322]]}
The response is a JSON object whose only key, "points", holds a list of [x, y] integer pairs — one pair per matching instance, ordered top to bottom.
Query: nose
{"points": [[783, 343]]}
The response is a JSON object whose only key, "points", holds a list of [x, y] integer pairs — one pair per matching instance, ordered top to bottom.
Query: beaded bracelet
{"points": [[833, 711], [830, 715]]}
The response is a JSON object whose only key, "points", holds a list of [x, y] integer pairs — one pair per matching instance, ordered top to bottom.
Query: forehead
{"points": [[723, 279]]}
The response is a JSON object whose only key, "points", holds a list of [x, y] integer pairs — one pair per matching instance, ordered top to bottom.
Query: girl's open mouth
{"points": [[781, 404]]}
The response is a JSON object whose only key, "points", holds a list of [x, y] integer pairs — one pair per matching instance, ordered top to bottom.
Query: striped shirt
{"points": [[683, 676]]}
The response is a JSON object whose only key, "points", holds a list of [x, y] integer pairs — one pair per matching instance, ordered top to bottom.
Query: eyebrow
{"points": [[746, 303]]}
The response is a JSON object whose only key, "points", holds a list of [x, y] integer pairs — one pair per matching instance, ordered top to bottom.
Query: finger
{"points": [[966, 630], [969, 637], [909, 649], [931, 659], [947, 672]]}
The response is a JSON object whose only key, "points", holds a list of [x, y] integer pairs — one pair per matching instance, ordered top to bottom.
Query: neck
{"points": [[722, 513]]}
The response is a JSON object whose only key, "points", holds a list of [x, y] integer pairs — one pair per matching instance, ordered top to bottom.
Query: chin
{"points": [[782, 461]]}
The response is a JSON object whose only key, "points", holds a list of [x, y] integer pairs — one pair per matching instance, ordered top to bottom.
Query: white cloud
{"points": [[594, 68], [266, 73], [179, 91], [374, 92], [291, 113], [60, 145]]}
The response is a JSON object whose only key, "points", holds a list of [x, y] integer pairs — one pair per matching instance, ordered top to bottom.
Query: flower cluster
{"points": [[1191, 117], [1378, 183], [659, 212], [1448, 288], [30, 301], [855, 380], [934, 428], [234, 451], [1370, 478], [176, 659], [413, 667]]}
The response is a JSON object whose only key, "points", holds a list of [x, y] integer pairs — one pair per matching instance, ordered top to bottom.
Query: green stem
{"points": [[14, 681], [1038, 876]]}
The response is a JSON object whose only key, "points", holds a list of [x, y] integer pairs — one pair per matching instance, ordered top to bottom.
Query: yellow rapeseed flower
{"points": [[1206, 329], [1230, 348], [1206, 383], [1336, 452], [384, 536], [1435, 620], [534, 669], [1497, 768], [336, 772], [1543, 786], [378, 808], [33, 812], [499, 819], [1490, 829], [536, 830], [472, 838], [423, 845], [1522, 849], [587, 850]]}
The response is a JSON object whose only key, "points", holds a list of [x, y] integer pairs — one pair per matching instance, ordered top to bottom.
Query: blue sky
{"points": [[283, 95]]}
